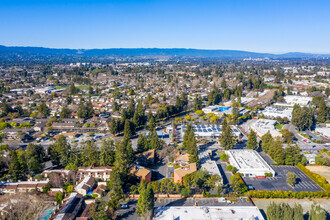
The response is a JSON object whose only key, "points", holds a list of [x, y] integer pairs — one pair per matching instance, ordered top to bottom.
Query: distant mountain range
{"points": [[147, 52]]}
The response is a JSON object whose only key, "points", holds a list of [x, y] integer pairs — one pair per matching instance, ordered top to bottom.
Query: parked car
{"points": [[123, 206]]}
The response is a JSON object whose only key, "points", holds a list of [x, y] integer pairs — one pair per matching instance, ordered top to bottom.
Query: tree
{"points": [[73, 90], [198, 104], [43, 109], [235, 112], [322, 112], [65, 113], [139, 118], [302, 118], [287, 135], [153, 140], [227, 140], [252, 141], [266, 141], [142, 144], [190, 144], [62, 150], [107, 153], [90, 154], [15, 170], [291, 178], [115, 186], [59, 198], [146, 201], [97, 210], [298, 213], [317, 213]]}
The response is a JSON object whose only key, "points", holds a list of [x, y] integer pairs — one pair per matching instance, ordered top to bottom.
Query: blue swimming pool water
{"points": [[47, 214]]}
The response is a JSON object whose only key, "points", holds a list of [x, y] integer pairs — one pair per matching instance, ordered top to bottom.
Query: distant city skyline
{"points": [[257, 26]]}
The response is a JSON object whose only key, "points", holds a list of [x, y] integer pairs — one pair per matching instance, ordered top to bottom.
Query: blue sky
{"points": [[263, 26]]}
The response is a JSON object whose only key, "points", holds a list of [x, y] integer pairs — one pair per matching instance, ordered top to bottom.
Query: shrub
{"points": [[224, 156], [229, 167], [234, 170], [268, 174], [320, 180], [185, 192], [288, 194]]}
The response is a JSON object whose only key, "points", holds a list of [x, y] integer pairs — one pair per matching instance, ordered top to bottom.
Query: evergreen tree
{"points": [[198, 104], [115, 107], [43, 109], [322, 112], [65, 113], [227, 137], [154, 141], [252, 141], [266, 141], [142, 143], [190, 144], [62, 149], [107, 153], [90, 154], [15, 170], [145, 202], [298, 213], [317, 213]]}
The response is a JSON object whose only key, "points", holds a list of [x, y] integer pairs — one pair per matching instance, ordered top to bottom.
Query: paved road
{"points": [[304, 146], [130, 213]]}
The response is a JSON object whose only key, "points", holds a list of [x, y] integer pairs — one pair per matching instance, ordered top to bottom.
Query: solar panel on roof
{"points": [[198, 126], [203, 126], [214, 129], [218, 129], [199, 130], [204, 130], [209, 130]]}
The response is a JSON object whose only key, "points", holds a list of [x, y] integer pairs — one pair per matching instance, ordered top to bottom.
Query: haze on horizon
{"points": [[256, 26]]}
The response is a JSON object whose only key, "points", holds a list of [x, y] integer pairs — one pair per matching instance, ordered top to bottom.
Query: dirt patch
{"points": [[321, 170], [305, 203]]}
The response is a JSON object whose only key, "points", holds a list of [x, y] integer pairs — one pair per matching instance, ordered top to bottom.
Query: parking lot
{"points": [[278, 182]]}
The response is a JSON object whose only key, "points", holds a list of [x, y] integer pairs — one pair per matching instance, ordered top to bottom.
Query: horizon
{"points": [[259, 26], [169, 48]]}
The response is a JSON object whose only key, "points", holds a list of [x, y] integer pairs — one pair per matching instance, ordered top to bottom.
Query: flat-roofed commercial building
{"points": [[300, 100], [271, 112], [262, 126], [209, 130], [249, 163], [208, 165], [207, 212]]}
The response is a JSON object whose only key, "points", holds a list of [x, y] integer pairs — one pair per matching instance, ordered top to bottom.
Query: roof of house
{"points": [[187, 169]]}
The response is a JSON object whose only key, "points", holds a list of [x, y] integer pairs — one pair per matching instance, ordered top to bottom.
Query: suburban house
{"points": [[182, 171], [102, 173]]}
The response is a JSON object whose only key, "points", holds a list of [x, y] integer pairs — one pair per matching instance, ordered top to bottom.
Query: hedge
{"points": [[316, 177], [288, 194]]}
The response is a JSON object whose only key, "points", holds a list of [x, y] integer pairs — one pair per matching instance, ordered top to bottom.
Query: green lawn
{"points": [[61, 87], [83, 87], [279, 126]]}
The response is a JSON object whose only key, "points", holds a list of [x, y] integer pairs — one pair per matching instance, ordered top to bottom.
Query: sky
{"points": [[273, 26]]}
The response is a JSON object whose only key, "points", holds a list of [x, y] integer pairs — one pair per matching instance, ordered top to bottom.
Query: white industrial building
{"points": [[300, 100], [210, 109], [271, 112], [262, 126], [209, 130], [324, 131], [249, 163], [207, 164], [207, 212]]}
